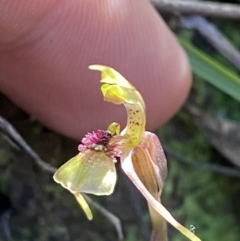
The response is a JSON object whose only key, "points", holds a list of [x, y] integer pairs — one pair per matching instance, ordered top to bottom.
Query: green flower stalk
{"points": [[141, 155]]}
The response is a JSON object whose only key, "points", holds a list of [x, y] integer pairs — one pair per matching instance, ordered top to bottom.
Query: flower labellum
{"points": [[92, 170]]}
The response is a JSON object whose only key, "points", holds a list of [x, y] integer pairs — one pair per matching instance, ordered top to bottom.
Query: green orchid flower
{"points": [[140, 153]]}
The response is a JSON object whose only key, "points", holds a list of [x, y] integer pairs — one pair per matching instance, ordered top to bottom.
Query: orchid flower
{"points": [[141, 155]]}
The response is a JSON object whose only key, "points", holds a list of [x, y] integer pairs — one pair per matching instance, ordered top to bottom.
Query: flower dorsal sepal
{"points": [[117, 90]]}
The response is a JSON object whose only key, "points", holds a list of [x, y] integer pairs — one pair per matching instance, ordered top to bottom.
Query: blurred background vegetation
{"points": [[202, 146]]}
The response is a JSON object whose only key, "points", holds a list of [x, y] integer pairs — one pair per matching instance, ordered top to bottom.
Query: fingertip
{"points": [[17, 18], [56, 85]]}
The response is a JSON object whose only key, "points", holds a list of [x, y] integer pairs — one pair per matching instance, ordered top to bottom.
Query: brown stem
{"points": [[206, 8], [159, 232]]}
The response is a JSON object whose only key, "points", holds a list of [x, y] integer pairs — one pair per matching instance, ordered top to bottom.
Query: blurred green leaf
{"points": [[212, 71]]}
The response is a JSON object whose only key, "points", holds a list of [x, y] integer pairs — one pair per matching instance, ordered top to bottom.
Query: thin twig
{"points": [[206, 8], [214, 36], [8, 130], [228, 171], [111, 217], [4, 225]]}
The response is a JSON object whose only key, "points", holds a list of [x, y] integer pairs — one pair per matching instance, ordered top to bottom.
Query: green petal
{"points": [[82, 202]]}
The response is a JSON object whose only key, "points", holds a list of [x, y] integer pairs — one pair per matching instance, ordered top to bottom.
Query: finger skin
{"points": [[47, 46]]}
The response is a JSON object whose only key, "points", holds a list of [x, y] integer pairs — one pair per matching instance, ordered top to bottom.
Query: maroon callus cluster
{"points": [[104, 137], [96, 140]]}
